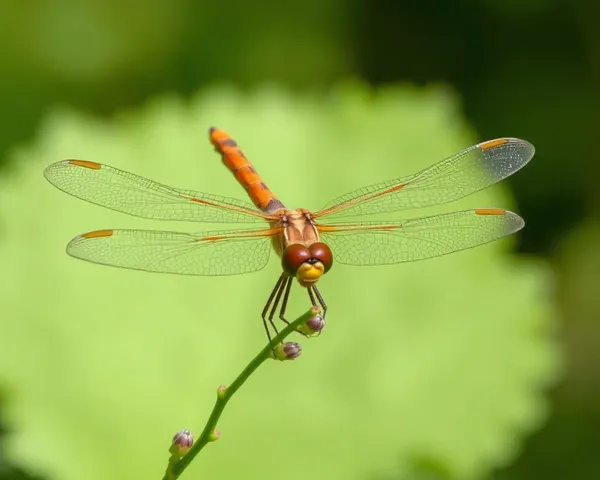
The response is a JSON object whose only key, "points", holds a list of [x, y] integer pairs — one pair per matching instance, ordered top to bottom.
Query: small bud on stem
{"points": [[312, 327], [287, 351], [221, 391], [182, 442]]}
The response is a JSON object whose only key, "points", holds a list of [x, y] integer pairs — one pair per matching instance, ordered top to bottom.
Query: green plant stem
{"points": [[177, 466]]}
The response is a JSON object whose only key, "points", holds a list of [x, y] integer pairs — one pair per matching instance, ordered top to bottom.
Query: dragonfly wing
{"points": [[467, 172], [128, 193], [381, 243], [211, 253]]}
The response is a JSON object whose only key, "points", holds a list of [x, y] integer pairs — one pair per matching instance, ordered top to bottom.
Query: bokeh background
{"points": [[481, 365]]}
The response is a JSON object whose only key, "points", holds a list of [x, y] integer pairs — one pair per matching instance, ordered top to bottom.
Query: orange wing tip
{"points": [[493, 143], [85, 164], [490, 211], [97, 234]]}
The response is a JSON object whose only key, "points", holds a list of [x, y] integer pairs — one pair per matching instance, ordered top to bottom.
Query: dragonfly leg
{"points": [[276, 289], [280, 289], [312, 291], [286, 296], [312, 297], [320, 298]]}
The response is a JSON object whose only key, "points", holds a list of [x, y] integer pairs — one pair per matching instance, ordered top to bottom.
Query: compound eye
{"points": [[321, 252], [294, 256]]}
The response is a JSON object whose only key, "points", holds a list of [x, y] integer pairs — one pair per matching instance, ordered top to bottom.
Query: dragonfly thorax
{"points": [[297, 227], [302, 253]]}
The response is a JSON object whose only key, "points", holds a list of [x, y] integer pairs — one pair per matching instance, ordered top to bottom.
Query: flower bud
{"points": [[312, 327], [287, 351], [221, 391], [215, 435], [182, 442]]}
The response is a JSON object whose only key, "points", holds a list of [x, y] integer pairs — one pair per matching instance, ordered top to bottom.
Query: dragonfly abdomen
{"points": [[234, 159]]}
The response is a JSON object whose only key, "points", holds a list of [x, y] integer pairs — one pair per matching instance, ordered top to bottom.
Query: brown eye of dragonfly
{"points": [[321, 252], [294, 256]]}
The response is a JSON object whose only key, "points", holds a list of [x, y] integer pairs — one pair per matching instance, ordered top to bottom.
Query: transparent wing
{"points": [[455, 177], [128, 193], [381, 243], [210, 253]]}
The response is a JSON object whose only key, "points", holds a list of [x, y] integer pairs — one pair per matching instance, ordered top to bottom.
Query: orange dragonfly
{"points": [[306, 242]]}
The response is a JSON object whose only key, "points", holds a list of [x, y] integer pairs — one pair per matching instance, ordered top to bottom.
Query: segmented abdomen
{"points": [[235, 160]]}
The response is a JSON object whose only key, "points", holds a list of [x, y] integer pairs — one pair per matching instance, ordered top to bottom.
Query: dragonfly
{"points": [[306, 242]]}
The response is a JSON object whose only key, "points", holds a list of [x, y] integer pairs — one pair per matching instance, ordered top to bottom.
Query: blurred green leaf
{"points": [[91, 42], [579, 264], [447, 357], [420, 467], [9, 471]]}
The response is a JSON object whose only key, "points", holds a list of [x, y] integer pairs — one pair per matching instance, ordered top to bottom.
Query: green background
{"points": [[479, 365]]}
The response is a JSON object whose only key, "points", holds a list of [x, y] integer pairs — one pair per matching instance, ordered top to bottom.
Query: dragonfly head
{"points": [[307, 264]]}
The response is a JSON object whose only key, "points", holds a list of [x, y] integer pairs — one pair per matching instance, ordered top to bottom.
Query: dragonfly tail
{"points": [[247, 176]]}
